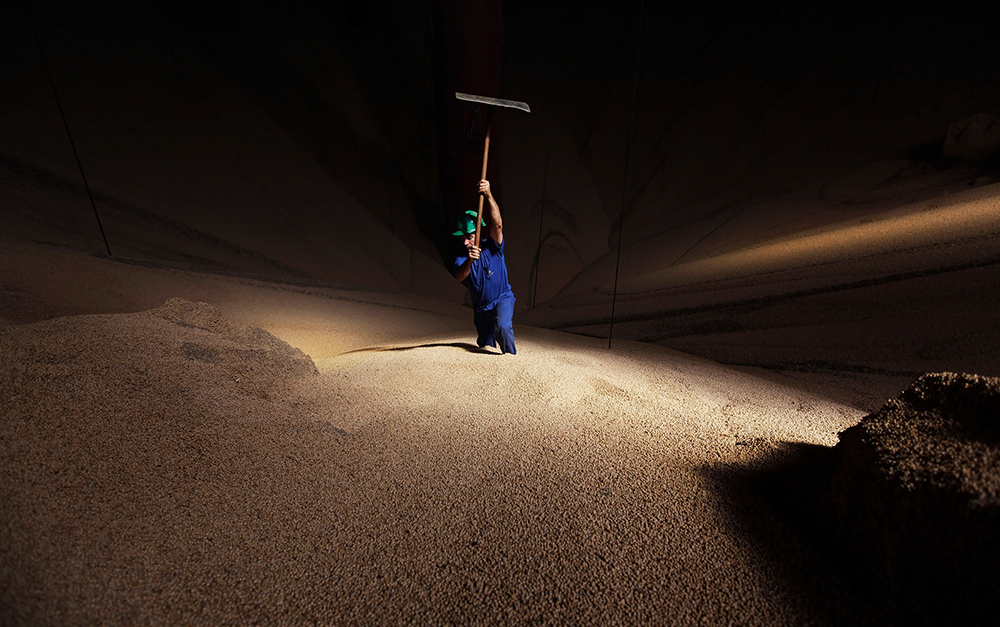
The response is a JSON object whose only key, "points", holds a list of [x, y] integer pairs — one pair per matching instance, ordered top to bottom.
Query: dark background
{"points": [[319, 142]]}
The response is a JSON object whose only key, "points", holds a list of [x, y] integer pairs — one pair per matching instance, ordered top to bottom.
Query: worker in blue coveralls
{"points": [[483, 271]]}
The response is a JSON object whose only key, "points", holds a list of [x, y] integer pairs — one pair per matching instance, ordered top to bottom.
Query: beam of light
{"points": [[925, 227]]}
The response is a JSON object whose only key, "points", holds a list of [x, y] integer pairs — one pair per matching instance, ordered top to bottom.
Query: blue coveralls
{"points": [[492, 297]]}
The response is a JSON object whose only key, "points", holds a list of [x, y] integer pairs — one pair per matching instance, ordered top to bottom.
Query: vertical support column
{"points": [[466, 59], [628, 149]]}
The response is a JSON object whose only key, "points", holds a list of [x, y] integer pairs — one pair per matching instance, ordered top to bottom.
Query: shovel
{"points": [[495, 102]]}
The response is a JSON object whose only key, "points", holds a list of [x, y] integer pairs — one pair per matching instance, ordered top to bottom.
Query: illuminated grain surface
{"points": [[175, 467]]}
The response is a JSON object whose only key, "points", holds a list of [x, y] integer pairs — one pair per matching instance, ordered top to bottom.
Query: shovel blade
{"points": [[496, 102]]}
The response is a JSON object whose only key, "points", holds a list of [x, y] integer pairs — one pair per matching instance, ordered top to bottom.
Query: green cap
{"points": [[467, 223]]}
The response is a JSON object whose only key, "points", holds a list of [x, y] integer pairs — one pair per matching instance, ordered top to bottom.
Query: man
{"points": [[483, 271]]}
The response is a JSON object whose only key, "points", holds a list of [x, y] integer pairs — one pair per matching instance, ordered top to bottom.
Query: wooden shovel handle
{"points": [[486, 155]]}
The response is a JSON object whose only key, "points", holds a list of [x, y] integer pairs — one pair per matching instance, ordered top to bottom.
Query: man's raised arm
{"points": [[496, 222]]}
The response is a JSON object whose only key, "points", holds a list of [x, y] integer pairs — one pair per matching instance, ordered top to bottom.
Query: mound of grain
{"points": [[251, 345], [131, 447], [916, 499]]}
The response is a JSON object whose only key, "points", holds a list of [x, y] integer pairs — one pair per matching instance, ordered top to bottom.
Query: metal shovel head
{"points": [[496, 102]]}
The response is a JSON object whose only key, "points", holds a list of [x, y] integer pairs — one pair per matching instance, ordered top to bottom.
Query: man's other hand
{"points": [[474, 252]]}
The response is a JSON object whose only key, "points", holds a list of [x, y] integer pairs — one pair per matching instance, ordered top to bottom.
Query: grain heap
{"points": [[128, 456], [916, 499]]}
